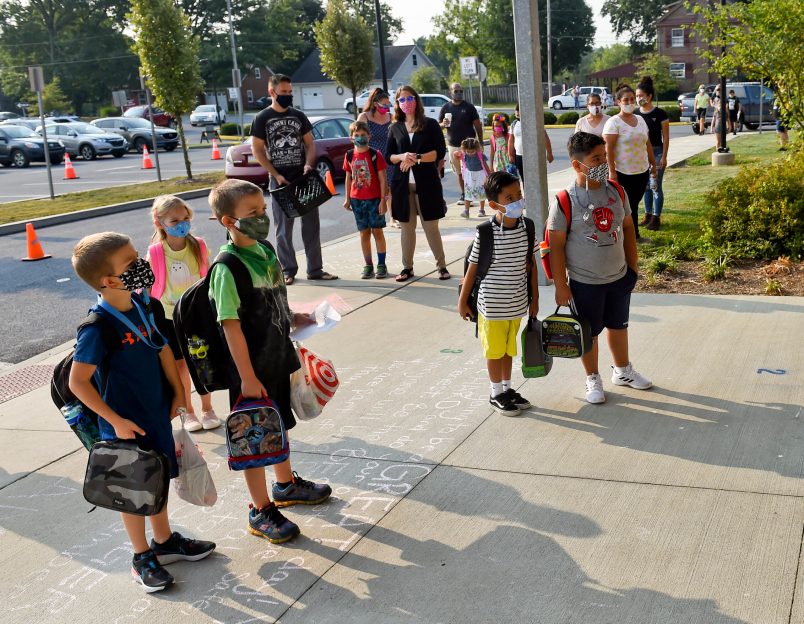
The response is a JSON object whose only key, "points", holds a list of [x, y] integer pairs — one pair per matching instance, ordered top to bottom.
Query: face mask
{"points": [[701, 90], [457, 95], [285, 101], [643, 102], [408, 107], [628, 108], [383, 110], [593, 110], [498, 130], [360, 141], [597, 174], [515, 209], [256, 228], [180, 230], [138, 275]]}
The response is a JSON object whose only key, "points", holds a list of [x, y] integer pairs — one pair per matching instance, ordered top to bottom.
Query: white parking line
{"points": [[116, 168]]}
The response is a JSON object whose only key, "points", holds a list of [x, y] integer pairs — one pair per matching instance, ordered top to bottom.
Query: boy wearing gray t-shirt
{"points": [[594, 260]]}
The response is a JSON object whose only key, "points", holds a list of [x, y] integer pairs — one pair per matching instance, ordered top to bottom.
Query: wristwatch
{"points": [[418, 159]]}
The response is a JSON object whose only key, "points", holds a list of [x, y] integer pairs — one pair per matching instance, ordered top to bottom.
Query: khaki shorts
{"points": [[454, 161], [498, 338]]}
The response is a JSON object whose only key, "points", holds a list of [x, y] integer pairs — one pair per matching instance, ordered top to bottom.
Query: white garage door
{"points": [[312, 98]]}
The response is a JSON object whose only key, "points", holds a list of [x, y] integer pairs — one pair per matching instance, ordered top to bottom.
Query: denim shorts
{"points": [[367, 214], [604, 305]]}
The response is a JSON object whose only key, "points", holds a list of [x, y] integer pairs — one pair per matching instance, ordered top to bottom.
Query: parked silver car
{"points": [[207, 114], [137, 132], [87, 141]]}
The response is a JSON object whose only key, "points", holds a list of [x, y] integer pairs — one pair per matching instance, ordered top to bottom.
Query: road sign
{"points": [[468, 66], [482, 72], [37, 78], [236, 80], [233, 93], [119, 98]]}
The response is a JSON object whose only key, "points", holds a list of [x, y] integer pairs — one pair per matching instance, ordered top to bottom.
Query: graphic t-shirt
{"points": [[733, 103], [654, 119], [462, 125], [282, 133], [630, 153], [365, 180], [594, 249], [181, 272], [503, 293]]}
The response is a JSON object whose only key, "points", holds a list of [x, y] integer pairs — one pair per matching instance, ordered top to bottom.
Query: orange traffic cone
{"points": [[216, 153], [147, 163], [69, 171], [329, 183], [34, 246]]}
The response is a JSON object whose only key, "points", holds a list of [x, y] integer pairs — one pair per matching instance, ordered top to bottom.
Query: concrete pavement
{"points": [[679, 504]]}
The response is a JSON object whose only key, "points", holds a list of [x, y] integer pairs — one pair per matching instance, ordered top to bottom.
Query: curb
{"points": [[16, 227]]}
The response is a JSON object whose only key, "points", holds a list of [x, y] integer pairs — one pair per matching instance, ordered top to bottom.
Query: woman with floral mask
{"points": [[377, 114], [594, 122], [415, 147], [629, 152]]}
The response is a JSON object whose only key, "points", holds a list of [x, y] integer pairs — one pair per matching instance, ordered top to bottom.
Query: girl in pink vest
{"points": [[178, 260]]}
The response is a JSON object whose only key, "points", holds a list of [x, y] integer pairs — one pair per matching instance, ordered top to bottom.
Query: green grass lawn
{"points": [[72, 202]]}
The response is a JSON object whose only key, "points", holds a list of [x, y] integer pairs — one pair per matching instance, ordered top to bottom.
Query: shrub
{"points": [[614, 110], [109, 111], [673, 112], [490, 118], [549, 118], [568, 118], [231, 128], [759, 212], [663, 262], [715, 264], [773, 287]]}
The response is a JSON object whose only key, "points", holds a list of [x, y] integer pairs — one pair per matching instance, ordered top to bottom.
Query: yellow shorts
{"points": [[497, 337]]}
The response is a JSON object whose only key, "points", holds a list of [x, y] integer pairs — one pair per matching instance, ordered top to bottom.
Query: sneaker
{"points": [[461, 200], [465, 213], [481, 213], [382, 271], [368, 272], [627, 376], [594, 389], [521, 402], [504, 404], [210, 420], [191, 422], [300, 492], [269, 523], [180, 548], [152, 576]]}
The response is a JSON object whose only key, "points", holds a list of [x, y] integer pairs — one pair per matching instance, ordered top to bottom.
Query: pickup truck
{"points": [[746, 92]]}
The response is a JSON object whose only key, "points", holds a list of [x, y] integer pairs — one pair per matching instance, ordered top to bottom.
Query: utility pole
{"points": [[380, 41], [549, 53], [37, 78], [236, 79], [531, 109], [154, 145]]}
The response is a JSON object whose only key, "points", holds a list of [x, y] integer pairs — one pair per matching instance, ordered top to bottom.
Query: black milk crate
{"points": [[302, 195]]}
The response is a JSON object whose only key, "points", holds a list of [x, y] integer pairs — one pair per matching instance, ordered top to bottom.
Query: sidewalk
{"points": [[680, 504]]}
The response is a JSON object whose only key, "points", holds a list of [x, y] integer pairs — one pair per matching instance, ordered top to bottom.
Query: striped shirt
{"points": [[503, 293]]}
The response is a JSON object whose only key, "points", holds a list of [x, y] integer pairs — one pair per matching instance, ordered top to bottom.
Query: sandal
{"points": [[443, 274], [405, 275], [328, 277], [289, 279]]}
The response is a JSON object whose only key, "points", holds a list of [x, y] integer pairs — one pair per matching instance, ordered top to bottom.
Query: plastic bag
{"points": [[313, 385], [194, 483]]}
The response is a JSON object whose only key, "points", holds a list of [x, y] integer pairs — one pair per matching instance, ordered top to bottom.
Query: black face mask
{"points": [[457, 96], [285, 101], [138, 275]]}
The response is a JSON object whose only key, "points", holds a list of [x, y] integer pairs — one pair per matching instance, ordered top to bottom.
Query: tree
{"points": [[636, 17], [391, 26], [760, 36], [168, 54], [347, 55], [611, 56], [657, 67], [425, 80], [53, 99]]}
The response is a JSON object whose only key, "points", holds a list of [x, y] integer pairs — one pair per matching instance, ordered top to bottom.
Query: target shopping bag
{"points": [[313, 385]]}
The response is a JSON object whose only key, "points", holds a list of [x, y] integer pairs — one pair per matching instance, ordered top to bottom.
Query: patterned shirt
{"points": [[630, 153]]}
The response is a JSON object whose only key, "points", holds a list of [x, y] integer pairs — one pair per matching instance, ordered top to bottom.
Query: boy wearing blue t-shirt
{"points": [[135, 401]]}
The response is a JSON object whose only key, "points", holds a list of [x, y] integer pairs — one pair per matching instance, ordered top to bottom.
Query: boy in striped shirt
{"points": [[503, 296]]}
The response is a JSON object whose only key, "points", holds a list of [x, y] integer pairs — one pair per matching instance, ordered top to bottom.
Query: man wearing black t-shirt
{"points": [[461, 120], [282, 142]]}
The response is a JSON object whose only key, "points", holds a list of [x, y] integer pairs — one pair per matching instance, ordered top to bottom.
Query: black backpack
{"points": [[485, 253], [199, 333], [60, 392]]}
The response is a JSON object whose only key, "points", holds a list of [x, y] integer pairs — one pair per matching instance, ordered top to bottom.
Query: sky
{"points": [[417, 18]]}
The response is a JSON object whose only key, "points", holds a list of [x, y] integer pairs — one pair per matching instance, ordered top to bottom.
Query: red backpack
{"points": [[566, 207]]}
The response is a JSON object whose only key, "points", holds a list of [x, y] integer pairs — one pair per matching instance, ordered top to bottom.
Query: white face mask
{"points": [[628, 108], [594, 110]]}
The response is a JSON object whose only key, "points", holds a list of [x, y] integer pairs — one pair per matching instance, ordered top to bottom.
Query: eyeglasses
{"points": [[406, 98]]}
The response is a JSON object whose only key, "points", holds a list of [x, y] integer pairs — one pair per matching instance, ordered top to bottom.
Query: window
{"points": [[677, 38], [415, 61], [678, 70], [257, 74], [250, 96], [330, 129]]}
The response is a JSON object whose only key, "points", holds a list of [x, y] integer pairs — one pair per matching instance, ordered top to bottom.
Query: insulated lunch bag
{"points": [[566, 335], [535, 363], [255, 434]]}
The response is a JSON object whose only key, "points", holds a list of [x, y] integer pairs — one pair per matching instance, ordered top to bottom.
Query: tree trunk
{"points": [[355, 112], [185, 151]]}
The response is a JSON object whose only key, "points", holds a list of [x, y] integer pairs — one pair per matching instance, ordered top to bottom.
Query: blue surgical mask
{"points": [[360, 141], [515, 209], [180, 230]]}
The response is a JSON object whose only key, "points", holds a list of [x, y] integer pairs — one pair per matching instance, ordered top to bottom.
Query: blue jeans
{"points": [[651, 206]]}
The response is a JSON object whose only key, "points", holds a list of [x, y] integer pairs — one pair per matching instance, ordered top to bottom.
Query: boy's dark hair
{"points": [[276, 79], [646, 86], [357, 126], [581, 144], [496, 182], [224, 197], [92, 253]]}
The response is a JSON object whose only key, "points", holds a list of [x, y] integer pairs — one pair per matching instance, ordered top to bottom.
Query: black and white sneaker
{"points": [[461, 200], [627, 376], [521, 402], [504, 404], [180, 548], [146, 570]]}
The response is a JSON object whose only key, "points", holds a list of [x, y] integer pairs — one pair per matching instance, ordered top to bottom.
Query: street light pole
{"points": [[381, 46], [549, 53], [235, 71], [154, 145], [723, 149]]}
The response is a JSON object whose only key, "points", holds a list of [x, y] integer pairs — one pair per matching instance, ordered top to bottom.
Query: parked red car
{"points": [[161, 118], [331, 135]]}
